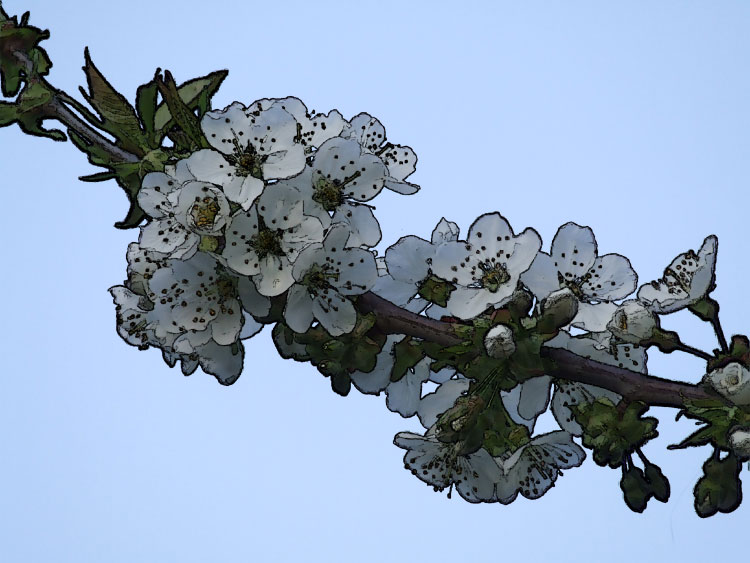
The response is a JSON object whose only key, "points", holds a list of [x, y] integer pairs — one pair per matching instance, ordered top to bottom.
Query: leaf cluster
{"points": [[141, 130], [335, 357], [614, 431], [720, 488]]}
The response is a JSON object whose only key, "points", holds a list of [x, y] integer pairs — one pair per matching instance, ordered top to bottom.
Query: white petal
{"points": [[224, 127], [367, 130], [401, 161], [403, 188], [152, 197], [281, 207], [363, 226], [487, 228], [445, 231], [163, 235], [526, 248], [573, 250], [407, 260], [452, 262], [357, 271], [274, 277], [612, 277], [541, 278], [252, 301], [467, 302], [298, 312], [338, 316], [594, 318], [226, 327], [250, 327], [221, 362], [404, 395], [534, 396], [436, 403]]}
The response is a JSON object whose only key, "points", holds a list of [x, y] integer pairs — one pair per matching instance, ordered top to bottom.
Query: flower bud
{"points": [[558, 310], [633, 322], [498, 342], [732, 381], [739, 441]]}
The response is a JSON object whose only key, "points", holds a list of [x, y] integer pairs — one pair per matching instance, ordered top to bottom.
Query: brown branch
{"points": [[632, 385]]}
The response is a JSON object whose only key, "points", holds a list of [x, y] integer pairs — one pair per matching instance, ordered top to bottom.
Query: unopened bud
{"points": [[520, 303], [558, 310], [633, 322], [499, 342], [732, 381], [739, 441]]}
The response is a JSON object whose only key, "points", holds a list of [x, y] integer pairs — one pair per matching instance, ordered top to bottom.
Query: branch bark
{"points": [[57, 109], [634, 386]]}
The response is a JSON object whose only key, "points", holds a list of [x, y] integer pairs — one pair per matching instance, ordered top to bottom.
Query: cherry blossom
{"points": [[486, 267]]}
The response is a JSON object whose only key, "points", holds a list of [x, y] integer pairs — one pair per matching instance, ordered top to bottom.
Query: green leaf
{"points": [[19, 37], [195, 93], [145, 105], [118, 116], [28, 120], [189, 135], [98, 177], [436, 290], [613, 432], [720, 488]]}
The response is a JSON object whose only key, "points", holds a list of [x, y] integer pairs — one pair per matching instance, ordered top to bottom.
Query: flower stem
{"points": [[720, 334], [694, 351]]}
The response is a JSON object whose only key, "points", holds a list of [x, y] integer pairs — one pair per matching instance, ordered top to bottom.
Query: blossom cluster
{"points": [[277, 205], [272, 223]]}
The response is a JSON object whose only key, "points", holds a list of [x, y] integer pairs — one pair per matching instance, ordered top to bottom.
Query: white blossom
{"points": [[313, 128], [252, 146], [400, 160], [341, 178], [181, 212], [264, 241], [485, 268], [325, 275], [595, 280], [687, 280], [196, 295], [135, 324], [440, 465], [534, 467]]}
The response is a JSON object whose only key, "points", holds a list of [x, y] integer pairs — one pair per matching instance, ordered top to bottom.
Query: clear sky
{"points": [[629, 117]]}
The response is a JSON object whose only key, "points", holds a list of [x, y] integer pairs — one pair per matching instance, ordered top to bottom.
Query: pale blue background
{"points": [[629, 117]]}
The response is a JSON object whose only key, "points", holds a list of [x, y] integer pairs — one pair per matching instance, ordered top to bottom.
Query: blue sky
{"points": [[631, 118]]}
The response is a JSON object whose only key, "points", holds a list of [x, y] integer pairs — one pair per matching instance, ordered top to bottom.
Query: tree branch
{"points": [[56, 109], [391, 319], [632, 385]]}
